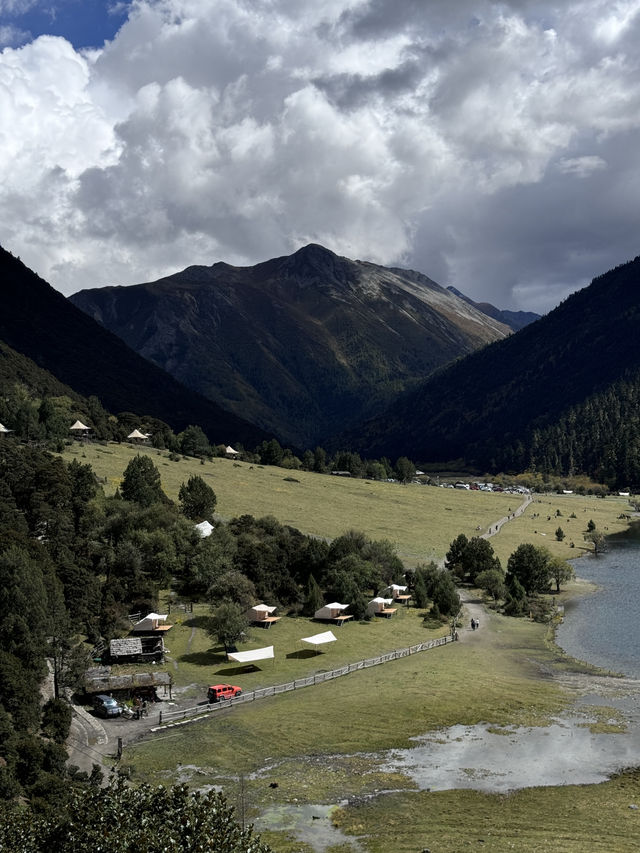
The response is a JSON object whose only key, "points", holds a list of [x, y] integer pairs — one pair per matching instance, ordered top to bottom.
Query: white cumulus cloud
{"points": [[492, 146]]}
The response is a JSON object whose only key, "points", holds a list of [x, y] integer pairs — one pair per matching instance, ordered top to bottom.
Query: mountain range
{"points": [[516, 320], [304, 345], [561, 395]]}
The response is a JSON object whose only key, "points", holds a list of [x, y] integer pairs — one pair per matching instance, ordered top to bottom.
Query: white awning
{"points": [[79, 425], [319, 639], [255, 654]]}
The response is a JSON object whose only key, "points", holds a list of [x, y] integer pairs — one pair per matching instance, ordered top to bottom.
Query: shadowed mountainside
{"points": [[40, 323], [303, 345], [562, 394]]}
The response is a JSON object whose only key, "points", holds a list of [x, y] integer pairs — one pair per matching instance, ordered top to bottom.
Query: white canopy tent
{"points": [[4, 430], [136, 435], [204, 528], [151, 622], [319, 639], [251, 656]]}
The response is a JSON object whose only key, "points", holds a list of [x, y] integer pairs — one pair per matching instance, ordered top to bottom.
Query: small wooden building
{"points": [[137, 649], [144, 684]]}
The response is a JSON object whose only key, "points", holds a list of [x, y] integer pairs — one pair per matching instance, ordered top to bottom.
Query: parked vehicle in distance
{"points": [[218, 692], [106, 706]]}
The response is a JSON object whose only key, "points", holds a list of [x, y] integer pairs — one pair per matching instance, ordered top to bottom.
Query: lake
{"points": [[604, 628]]}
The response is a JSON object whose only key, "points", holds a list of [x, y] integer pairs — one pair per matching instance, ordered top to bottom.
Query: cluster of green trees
{"points": [[46, 420], [599, 437], [74, 563], [531, 570], [122, 819]]}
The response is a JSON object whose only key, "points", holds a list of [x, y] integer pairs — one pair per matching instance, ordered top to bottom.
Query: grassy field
{"points": [[420, 520], [322, 744]]}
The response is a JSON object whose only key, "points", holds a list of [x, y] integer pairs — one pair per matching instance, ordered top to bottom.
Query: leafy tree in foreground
{"points": [[193, 442], [141, 482], [197, 499], [597, 540], [455, 555], [478, 557], [530, 564], [561, 571], [492, 582], [313, 600], [229, 624], [121, 819]]}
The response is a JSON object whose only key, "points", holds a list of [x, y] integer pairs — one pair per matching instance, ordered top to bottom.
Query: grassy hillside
{"points": [[420, 520]]}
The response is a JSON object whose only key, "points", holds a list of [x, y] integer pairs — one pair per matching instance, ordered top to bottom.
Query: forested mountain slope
{"points": [[39, 322], [303, 345], [562, 393]]}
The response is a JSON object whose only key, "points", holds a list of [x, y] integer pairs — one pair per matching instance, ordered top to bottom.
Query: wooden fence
{"points": [[175, 717]]}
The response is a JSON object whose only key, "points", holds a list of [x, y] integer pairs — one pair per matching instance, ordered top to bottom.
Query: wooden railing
{"points": [[174, 717]]}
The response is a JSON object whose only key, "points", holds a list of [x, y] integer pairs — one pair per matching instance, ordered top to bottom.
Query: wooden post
{"points": [[160, 718], [119, 753]]}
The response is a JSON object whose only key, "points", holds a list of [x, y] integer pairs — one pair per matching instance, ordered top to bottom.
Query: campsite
{"points": [[323, 746]]}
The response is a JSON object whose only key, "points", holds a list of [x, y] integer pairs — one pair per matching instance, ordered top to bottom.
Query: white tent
{"points": [[78, 426], [4, 430], [136, 435], [230, 451], [204, 528], [396, 588], [378, 604], [260, 611], [330, 611], [151, 622], [319, 639], [249, 657]]}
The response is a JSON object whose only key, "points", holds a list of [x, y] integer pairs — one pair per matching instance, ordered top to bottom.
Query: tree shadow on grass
{"points": [[198, 622], [208, 658], [238, 670]]}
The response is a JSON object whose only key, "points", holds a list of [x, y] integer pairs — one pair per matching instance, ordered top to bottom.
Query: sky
{"points": [[491, 146]]}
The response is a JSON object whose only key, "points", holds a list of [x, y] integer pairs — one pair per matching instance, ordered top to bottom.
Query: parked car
{"points": [[218, 692], [106, 706]]}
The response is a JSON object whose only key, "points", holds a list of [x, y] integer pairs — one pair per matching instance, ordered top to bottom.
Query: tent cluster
{"points": [[266, 653]]}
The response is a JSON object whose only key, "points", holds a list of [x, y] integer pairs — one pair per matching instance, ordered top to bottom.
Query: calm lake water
{"points": [[604, 628]]}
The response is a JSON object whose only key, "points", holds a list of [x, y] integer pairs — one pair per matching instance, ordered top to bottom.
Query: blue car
{"points": [[106, 706]]}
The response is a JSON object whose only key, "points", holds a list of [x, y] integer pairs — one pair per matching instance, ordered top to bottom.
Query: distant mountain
{"points": [[516, 320], [40, 323], [303, 345], [562, 395]]}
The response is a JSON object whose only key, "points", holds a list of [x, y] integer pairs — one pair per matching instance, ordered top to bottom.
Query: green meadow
{"points": [[420, 521], [323, 744]]}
